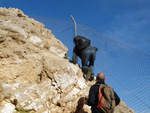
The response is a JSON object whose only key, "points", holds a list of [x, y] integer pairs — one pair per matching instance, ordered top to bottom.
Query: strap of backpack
{"points": [[100, 84], [100, 97]]}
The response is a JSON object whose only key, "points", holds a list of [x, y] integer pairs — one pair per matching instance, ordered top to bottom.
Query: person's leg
{"points": [[85, 59], [85, 64], [91, 64]]}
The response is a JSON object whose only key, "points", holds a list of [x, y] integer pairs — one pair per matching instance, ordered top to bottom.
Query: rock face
{"points": [[34, 76]]}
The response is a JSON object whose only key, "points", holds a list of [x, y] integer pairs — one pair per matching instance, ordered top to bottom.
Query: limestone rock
{"points": [[34, 76]]}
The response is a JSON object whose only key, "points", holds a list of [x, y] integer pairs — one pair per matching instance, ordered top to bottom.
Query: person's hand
{"points": [[77, 64], [85, 100]]}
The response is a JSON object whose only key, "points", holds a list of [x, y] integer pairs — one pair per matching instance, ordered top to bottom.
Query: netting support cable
{"points": [[74, 25]]}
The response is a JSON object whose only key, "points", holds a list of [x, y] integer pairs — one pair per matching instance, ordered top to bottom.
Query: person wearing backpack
{"points": [[86, 53], [102, 98]]}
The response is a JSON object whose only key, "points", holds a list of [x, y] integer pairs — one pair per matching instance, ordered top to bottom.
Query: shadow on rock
{"points": [[79, 108]]}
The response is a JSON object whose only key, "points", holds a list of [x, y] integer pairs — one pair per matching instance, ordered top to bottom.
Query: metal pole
{"points": [[74, 25]]}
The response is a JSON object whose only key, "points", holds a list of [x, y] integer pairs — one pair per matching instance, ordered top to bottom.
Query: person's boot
{"points": [[88, 74], [84, 76], [92, 77]]}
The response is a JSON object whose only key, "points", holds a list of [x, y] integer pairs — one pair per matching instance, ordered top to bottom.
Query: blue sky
{"points": [[124, 20], [127, 21]]}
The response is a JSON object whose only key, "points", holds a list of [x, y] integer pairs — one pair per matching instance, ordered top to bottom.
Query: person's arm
{"points": [[75, 57], [117, 98], [91, 99]]}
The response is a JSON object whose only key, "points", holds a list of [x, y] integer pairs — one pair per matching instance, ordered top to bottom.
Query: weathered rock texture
{"points": [[34, 76]]}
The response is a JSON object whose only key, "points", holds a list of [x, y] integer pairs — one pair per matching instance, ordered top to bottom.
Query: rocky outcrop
{"points": [[34, 75]]}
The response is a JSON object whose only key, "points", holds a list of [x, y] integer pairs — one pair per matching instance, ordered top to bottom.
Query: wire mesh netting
{"points": [[127, 69]]}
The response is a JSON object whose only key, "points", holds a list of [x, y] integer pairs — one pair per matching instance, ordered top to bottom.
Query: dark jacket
{"points": [[77, 52], [93, 97]]}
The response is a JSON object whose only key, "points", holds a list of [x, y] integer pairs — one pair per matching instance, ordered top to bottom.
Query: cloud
{"points": [[136, 19], [131, 26]]}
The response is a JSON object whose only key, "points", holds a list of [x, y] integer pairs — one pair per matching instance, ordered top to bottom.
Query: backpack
{"points": [[81, 42], [106, 99]]}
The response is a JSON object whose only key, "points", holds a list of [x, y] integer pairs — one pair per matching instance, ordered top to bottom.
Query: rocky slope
{"points": [[34, 75]]}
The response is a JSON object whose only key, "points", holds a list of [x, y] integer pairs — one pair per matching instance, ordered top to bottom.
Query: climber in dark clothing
{"points": [[87, 53], [93, 94]]}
